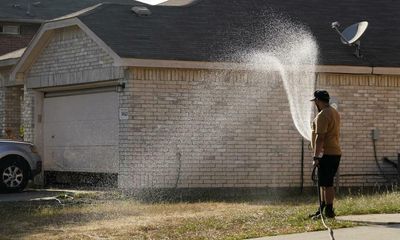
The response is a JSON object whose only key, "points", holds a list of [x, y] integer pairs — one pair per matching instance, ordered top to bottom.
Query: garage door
{"points": [[81, 133]]}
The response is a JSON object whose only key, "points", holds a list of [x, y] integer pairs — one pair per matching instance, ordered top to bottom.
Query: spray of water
{"points": [[294, 55], [212, 112], [196, 142]]}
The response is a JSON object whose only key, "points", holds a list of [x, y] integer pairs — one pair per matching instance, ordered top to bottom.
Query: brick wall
{"points": [[10, 42], [71, 57], [4, 75], [11, 98], [366, 102], [12, 108], [2, 110], [28, 113], [202, 129]]}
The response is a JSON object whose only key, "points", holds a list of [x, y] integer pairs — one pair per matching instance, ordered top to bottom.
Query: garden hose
{"points": [[315, 180]]}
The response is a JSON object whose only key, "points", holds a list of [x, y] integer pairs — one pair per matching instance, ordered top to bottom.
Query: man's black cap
{"points": [[321, 95]]}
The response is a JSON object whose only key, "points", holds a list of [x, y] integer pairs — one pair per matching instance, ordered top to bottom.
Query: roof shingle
{"points": [[43, 10], [210, 30]]}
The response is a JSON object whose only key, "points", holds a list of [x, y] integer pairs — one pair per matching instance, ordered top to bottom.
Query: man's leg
{"points": [[331, 169], [323, 194], [329, 197], [323, 198], [323, 203]]}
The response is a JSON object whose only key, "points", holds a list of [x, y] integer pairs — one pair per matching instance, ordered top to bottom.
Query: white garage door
{"points": [[81, 133]]}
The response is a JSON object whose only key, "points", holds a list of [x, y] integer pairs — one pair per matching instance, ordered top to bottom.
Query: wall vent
{"points": [[141, 11], [10, 29]]}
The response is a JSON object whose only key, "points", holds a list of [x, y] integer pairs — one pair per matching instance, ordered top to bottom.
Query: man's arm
{"points": [[319, 144], [319, 147]]}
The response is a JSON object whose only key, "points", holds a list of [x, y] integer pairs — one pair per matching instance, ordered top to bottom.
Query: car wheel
{"points": [[13, 175]]}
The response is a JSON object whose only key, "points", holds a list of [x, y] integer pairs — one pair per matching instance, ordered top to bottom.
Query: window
{"points": [[9, 29]]}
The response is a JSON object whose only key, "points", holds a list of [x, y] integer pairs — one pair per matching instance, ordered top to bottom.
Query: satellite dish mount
{"points": [[351, 35]]}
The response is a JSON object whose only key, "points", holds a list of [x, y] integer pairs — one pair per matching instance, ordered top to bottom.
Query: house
{"points": [[20, 19], [19, 22], [158, 97]]}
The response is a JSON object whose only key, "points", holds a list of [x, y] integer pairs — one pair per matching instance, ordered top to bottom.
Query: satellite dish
{"points": [[152, 2], [352, 34]]}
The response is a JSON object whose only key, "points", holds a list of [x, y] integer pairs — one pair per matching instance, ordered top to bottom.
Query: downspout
{"points": [[302, 166], [398, 167], [178, 171]]}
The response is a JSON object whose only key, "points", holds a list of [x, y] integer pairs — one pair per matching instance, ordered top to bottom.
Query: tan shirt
{"points": [[327, 122]]}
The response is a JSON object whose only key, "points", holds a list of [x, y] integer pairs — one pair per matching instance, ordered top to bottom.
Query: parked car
{"points": [[19, 162]]}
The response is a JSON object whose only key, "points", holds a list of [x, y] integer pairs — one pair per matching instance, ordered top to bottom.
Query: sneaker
{"points": [[329, 213]]}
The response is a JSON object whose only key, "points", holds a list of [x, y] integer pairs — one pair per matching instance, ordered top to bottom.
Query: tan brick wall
{"points": [[68, 50], [70, 57], [4, 73], [11, 98], [365, 102], [12, 108], [28, 115], [230, 128], [233, 129]]}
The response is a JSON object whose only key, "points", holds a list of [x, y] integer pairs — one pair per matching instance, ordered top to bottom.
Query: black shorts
{"points": [[327, 169]]}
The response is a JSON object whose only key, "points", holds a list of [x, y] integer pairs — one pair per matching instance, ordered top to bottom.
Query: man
{"points": [[327, 152]]}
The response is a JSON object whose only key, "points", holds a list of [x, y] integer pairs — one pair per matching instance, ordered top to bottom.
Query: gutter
{"points": [[22, 20], [11, 58], [9, 62], [155, 63], [225, 65], [344, 69], [359, 70], [386, 70]]}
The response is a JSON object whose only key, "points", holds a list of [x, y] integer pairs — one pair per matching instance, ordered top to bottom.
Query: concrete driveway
{"points": [[33, 195]]}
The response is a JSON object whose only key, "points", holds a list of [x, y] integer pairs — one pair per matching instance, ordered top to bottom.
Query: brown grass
{"points": [[128, 219]]}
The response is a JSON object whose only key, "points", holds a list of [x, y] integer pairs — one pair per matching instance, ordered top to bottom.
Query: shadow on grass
{"points": [[229, 195], [22, 219]]}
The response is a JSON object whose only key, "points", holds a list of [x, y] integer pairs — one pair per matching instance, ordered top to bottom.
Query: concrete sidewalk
{"points": [[29, 195], [373, 218], [380, 226]]}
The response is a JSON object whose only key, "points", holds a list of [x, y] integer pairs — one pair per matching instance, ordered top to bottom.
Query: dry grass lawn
{"points": [[91, 217]]}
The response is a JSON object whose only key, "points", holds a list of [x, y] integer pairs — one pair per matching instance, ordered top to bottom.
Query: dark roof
{"points": [[40, 10], [213, 30]]}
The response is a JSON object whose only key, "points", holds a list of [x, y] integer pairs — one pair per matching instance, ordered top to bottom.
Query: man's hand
{"points": [[316, 161]]}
